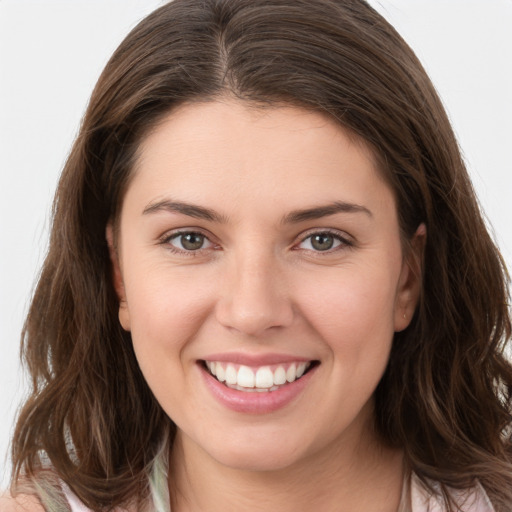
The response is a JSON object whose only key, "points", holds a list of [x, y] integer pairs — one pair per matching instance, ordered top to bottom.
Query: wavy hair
{"points": [[446, 394]]}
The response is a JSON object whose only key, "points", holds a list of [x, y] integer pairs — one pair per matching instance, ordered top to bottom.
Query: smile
{"points": [[260, 379], [257, 385]]}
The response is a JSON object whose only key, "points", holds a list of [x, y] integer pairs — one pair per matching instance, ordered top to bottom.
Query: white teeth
{"points": [[301, 368], [219, 372], [291, 373], [231, 374], [279, 376], [245, 377], [262, 379], [252, 390]]}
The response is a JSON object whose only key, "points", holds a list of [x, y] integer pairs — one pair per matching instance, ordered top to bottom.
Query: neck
{"points": [[349, 476]]}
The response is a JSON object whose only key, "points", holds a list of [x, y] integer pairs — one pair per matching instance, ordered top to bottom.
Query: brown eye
{"points": [[189, 241]]}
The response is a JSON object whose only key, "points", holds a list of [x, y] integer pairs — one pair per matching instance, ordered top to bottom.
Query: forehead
{"points": [[230, 150]]}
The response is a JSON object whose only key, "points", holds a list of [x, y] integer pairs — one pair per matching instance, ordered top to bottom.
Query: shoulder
{"points": [[474, 499], [20, 503]]}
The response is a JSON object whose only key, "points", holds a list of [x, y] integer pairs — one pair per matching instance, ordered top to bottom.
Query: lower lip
{"points": [[256, 402]]}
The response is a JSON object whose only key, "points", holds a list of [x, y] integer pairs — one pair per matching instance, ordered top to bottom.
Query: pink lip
{"points": [[255, 359], [256, 403]]}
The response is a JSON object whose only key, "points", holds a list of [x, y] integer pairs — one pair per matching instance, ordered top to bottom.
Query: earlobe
{"points": [[410, 283], [124, 316]]}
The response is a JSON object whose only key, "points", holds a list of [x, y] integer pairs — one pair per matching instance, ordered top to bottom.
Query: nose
{"points": [[254, 297]]}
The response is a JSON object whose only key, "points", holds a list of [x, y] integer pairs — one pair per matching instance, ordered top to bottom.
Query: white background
{"points": [[52, 51]]}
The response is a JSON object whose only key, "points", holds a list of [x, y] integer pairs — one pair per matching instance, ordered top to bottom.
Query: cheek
{"points": [[352, 309], [166, 310], [166, 316]]}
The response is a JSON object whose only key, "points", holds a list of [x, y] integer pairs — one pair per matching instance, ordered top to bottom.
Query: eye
{"points": [[189, 241], [323, 242]]}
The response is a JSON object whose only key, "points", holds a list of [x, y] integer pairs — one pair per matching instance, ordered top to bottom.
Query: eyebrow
{"points": [[191, 210], [323, 211], [294, 217]]}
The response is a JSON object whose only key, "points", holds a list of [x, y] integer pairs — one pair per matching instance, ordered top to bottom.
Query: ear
{"points": [[410, 282], [124, 314]]}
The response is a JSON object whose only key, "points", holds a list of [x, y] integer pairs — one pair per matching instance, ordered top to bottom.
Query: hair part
{"points": [[445, 396]]}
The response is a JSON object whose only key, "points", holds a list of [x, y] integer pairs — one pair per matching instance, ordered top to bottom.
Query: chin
{"points": [[260, 455], [254, 461]]}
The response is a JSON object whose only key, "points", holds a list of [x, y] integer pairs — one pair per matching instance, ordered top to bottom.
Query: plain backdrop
{"points": [[52, 51]]}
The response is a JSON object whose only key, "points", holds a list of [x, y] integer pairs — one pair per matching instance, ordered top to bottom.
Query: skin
{"points": [[259, 286], [20, 503]]}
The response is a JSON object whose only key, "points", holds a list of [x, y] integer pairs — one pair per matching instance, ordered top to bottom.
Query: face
{"points": [[260, 272]]}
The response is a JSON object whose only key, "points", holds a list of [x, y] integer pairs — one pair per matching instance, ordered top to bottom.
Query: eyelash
{"points": [[167, 239], [343, 242]]}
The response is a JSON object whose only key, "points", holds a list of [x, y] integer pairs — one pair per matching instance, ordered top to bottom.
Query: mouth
{"points": [[260, 379]]}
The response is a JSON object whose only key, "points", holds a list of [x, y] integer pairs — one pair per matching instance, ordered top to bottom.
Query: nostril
{"points": [[254, 298], [254, 318]]}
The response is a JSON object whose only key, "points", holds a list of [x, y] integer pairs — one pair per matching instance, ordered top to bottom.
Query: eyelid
{"points": [[170, 235], [346, 241]]}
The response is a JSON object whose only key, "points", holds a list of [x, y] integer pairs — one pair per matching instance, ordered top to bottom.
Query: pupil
{"points": [[192, 241], [322, 242]]}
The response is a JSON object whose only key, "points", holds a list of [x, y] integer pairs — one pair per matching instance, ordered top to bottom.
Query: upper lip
{"points": [[255, 359]]}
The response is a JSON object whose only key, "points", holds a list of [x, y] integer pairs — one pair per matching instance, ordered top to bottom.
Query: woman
{"points": [[269, 284]]}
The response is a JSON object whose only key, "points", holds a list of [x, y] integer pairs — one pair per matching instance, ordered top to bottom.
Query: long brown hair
{"points": [[445, 397]]}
